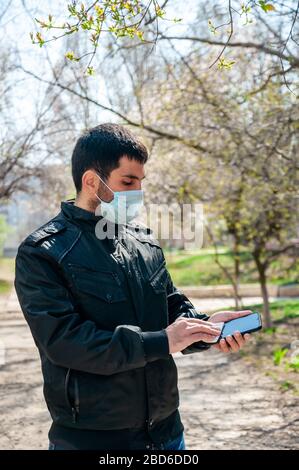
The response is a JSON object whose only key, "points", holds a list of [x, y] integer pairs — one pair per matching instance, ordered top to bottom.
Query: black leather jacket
{"points": [[97, 310]]}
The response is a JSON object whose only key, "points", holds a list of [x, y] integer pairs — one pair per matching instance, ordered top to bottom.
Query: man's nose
{"points": [[138, 185]]}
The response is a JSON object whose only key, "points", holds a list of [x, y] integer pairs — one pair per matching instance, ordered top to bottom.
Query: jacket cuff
{"points": [[156, 345]]}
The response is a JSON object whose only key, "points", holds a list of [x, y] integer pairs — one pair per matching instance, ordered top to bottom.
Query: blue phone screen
{"points": [[243, 324]]}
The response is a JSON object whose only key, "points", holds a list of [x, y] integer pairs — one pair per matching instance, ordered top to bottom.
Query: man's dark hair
{"points": [[101, 148]]}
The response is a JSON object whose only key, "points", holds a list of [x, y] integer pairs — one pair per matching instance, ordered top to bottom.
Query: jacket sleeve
{"points": [[180, 306], [64, 337]]}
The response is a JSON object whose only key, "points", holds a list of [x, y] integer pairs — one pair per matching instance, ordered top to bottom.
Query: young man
{"points": [[103, 311]]}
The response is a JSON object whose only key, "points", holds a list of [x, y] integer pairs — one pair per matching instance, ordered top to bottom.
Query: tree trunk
{"points": [[262, 267], [237, 272], [230, 277]]}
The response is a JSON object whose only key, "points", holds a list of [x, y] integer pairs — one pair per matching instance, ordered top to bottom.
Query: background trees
{"points": [[213, 96]]}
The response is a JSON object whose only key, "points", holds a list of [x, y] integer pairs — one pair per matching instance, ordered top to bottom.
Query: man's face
{"points": [[127, 176]]}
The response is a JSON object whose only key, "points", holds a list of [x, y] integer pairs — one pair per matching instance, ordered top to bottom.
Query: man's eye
{"points": [[126, 183]]}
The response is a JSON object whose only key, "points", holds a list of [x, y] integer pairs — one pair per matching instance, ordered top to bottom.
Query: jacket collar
{"points": [[85, 219]]}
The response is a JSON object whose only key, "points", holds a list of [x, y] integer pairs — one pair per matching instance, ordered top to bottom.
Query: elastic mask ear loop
{"points": [[97, 196]]}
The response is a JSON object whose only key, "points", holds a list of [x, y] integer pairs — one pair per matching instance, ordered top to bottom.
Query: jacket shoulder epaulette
{"points": [[44, 232], [143, 233], [48, 240]]}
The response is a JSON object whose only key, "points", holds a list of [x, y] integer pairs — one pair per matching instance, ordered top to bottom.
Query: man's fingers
{"points": [[242, 313], [231, 315], [197, 321], [210, 330], [203, 337], [239, 339], [233, 343], [224, 346]]}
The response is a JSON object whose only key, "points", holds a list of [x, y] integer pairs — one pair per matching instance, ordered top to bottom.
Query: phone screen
{"points": [[243, 324]]}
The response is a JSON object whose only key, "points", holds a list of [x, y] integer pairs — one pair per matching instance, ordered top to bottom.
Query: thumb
{"points": [[241, 313]]}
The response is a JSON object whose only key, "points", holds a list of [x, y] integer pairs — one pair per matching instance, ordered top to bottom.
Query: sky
{"points": [[18, 22], [15, 27]]}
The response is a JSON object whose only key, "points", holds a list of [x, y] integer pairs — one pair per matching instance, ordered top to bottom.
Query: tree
{"points": [[120, 18], [219, 25], [216, 136], [31, 143], [25, 147], [243, 162]]}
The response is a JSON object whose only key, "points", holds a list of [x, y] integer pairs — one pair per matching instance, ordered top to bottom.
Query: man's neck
{"points": [[85, 203]]}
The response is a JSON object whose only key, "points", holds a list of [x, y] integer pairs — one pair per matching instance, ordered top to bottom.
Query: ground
{"points": [[199, 268], [226, 401], [228, 404]]}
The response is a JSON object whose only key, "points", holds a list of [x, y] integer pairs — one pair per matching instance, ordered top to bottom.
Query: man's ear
{"points": [[90, 182]]}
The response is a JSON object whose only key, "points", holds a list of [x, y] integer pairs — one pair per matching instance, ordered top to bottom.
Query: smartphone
{"points": [[247, 324]]}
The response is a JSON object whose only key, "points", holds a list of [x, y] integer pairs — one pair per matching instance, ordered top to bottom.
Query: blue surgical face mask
{"points": [[124, 207]]}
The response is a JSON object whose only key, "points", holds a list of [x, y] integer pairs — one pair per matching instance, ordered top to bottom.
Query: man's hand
{"points": [[185, 331], [231, 343]]}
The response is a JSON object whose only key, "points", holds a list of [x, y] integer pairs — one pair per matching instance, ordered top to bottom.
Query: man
{"points": [[103, 311]]}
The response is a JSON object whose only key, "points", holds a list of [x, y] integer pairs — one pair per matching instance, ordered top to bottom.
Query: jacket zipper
{"points": [[157, 271], [115, 276], [75, 406]]}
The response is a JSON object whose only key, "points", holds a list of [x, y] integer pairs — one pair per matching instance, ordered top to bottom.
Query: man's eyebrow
{"points": [[134, 177]]}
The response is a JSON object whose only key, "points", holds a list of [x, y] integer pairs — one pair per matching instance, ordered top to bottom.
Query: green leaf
{"points": [[266, 6], [212, 27], [140, 35], [40, 39], [71, 56], [225, 64], [90, 71]]}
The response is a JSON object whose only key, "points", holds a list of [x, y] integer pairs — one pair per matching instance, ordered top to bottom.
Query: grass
{"points": [[7, 267], [200, 268], [6, 274], [4, 287], [280, 310], [271, 348], [278, 355]]}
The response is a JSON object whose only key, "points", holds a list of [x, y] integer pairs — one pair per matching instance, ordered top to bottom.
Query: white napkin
{"points": [[219, 325]]}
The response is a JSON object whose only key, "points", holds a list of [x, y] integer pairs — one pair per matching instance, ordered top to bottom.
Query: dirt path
{"points": [[225, 403]]}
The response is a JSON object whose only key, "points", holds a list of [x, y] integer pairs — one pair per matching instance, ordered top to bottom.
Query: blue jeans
{"points": [[176, 444]]}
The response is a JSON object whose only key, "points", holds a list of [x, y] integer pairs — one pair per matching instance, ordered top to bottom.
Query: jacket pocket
{"points": [[159, 279], [105, 285], [101, 296], [71, 392]]}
